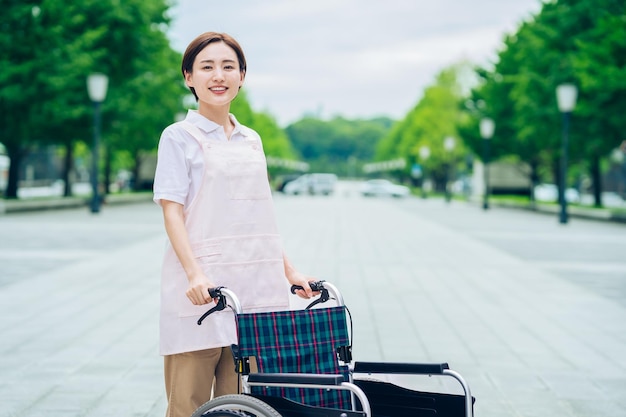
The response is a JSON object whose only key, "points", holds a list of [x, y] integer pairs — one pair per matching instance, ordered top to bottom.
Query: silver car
{"points": [[318, 183], [383, 188]]}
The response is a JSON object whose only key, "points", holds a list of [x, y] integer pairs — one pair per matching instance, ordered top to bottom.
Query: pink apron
{"points": [[233, 233]]}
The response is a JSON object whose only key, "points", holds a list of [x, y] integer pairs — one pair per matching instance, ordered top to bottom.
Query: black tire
{"points": [[246, 405], [225, 413]]}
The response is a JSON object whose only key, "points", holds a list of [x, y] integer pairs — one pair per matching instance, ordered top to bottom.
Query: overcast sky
{"points": [[356, 58]]}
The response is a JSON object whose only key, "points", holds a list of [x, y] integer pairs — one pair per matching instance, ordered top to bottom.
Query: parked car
{"points": [[283, 180], [317, 183], [383, 188], [550, 193], [608, 198]]}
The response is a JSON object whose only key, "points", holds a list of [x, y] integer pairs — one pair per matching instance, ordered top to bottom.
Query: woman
{"points": [[211, 182]]}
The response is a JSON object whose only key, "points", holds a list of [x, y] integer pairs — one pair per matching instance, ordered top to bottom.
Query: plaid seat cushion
{"points": [[297, 341]]}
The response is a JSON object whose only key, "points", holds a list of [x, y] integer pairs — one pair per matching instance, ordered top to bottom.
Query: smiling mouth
{"points": [[218, 89]]}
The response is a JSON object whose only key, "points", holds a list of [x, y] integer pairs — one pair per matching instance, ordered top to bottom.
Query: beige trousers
{"points": [[191, 377]]}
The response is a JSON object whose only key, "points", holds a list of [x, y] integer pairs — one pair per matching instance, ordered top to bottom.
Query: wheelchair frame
{"points": [[249, 404]]}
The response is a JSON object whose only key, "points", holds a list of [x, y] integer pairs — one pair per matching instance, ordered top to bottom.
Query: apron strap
{"points": [[193, 130]]}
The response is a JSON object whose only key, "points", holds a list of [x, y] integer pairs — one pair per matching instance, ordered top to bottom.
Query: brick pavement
{"points": [[80, 338]]}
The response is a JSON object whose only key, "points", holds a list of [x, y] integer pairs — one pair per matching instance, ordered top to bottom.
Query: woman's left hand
{"points": [[296, 278], [303, 281]]}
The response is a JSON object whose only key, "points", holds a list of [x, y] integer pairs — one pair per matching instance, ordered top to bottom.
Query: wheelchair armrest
{"points": [[400, 368], [287, 378]]}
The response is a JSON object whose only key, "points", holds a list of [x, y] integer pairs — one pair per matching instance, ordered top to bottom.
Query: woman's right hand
{"points": [[198, 290]]}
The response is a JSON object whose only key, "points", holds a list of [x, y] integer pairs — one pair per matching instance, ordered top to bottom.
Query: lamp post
{"points": [[97, 84], [566, 100], [487, 127], [448, 144], [424, 155]]}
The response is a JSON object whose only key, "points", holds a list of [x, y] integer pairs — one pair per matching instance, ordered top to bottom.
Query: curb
{"points": [[25, 205], [602, 214]]}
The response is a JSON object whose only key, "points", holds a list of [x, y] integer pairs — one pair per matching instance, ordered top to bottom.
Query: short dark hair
{"points": [[198, 44]]}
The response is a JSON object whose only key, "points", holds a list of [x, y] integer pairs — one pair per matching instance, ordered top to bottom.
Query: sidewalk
{"points": [[81, 339], [529, 343]]}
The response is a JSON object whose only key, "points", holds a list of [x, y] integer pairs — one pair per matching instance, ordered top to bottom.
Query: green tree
{"points": [[577, 41], [600, 63], [23, 85], [498, 94], [43, 99], [143, 105], [434, 118], [275, 141], [337, 145]]}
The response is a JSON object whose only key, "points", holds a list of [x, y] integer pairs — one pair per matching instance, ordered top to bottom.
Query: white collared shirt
{"points": [[180, 162]]}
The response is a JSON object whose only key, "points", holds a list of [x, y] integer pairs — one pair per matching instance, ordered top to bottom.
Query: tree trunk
{"points": [[15, 154], [67, 168], [136, 169], [107, 170], [557, 179], [596, 181], [534, 182]]}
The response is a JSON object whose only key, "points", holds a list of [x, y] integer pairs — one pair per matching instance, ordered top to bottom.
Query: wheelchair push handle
{"points": [[316, 286], [215, 292], [327, 292], [221, 294], [226, 298]]}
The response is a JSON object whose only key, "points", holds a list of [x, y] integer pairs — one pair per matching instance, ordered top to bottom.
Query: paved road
{"points": [[591, 253], [531, 312]]}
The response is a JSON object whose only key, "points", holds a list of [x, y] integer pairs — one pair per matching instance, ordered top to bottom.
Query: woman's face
{"points": [[216, 75]]}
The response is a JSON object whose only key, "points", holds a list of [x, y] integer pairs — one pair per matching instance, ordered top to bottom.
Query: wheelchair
{"points": [[302, 367]]}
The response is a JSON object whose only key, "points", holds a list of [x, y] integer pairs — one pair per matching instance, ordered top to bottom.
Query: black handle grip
{"points": [[315, 286], [215, 292]]}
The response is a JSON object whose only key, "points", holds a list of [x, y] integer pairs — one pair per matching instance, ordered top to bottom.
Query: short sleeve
{"points": [[171, 178]]}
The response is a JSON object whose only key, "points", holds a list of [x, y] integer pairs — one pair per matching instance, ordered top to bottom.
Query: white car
{"points": [[319, 183], [383, 188], [550, 193]]}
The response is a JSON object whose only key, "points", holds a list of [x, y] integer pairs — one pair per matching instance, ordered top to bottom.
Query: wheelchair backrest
{"points": [[297, 341]]}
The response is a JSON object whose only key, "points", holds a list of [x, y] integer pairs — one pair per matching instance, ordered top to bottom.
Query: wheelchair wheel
{"points": [[235, 405], [225, 413]]}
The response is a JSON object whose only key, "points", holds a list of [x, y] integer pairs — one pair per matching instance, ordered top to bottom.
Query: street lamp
{"points": [[97, 84], [566, 100], [487, 127], [448, 144], [424, 155]]}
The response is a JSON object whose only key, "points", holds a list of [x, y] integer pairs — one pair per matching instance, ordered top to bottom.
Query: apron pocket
{"points": [[248, 182], [208, 253]]}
